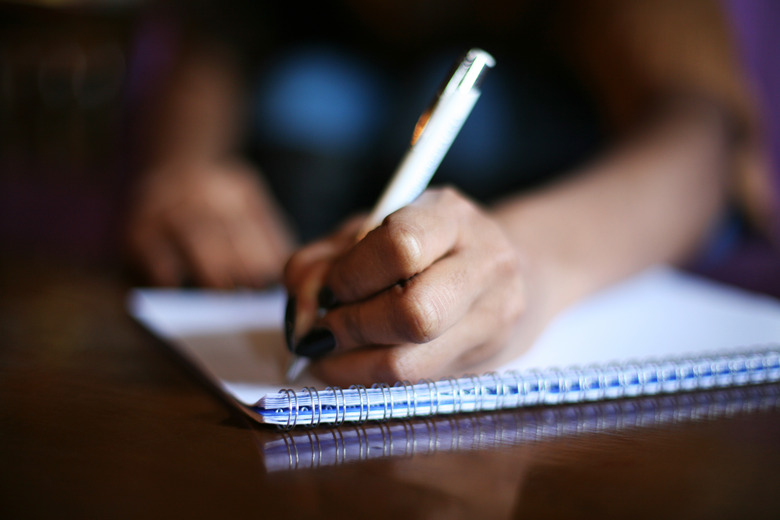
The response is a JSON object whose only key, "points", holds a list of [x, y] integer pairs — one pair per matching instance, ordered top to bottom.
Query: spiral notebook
{"points": [[660, 332], [309, 449]]}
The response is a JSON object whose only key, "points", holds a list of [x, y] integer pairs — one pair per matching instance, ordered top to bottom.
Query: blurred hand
{"points": [[212, 223], [433, 291]]}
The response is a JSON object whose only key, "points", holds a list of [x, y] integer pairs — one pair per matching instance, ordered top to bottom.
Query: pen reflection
{"points": [[308, 449]]}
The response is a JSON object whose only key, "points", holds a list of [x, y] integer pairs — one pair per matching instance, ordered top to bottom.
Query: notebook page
{"points": [[659, 313], [234, 338], [237, 340]]}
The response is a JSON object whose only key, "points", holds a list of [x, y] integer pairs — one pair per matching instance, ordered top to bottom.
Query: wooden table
{"points": [[99, 420]]}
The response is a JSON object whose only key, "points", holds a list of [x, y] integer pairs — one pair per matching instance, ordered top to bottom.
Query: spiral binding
{"points": [[493, 391], [338, 446]]}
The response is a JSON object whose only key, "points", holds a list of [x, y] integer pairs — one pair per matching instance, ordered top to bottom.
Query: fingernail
{"points": [[326, 299], [289, 323], [316, 343]]}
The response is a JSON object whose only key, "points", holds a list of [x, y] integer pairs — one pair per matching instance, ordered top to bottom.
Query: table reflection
{"points": [[313, 448]]}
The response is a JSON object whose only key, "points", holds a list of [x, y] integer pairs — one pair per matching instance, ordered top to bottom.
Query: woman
{"points": [[439, 287]]}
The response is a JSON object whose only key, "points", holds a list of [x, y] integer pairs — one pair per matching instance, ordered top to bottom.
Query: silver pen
{"points": [[433, 135]]}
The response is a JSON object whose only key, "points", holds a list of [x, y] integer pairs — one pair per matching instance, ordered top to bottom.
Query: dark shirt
{"points": [[335, 98]]}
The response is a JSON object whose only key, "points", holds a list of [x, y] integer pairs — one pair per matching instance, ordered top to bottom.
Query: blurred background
{"points": [[75, 74], [65, 81]]}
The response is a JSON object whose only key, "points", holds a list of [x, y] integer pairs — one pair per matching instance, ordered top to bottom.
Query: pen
{"points": [[433, 135]]}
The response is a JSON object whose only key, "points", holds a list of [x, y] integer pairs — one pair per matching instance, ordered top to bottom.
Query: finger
{"points": [[204, 243], [406, 243], [324, 249], [157, 257], [259, 258], [165, 265], [305, 273], [305, 283], [306, 309], [417, 311], [472, 344]]}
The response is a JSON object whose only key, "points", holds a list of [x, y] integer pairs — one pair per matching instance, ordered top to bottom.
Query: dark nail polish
{"points": [[326, 299], [289, 323], [316, 343]]}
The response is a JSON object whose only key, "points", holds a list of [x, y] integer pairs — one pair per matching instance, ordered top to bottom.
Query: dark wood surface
{"points": [[99, 420]]}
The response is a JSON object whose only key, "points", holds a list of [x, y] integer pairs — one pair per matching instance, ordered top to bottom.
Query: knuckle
{"points": [[449, 193], [453, 198], [406, 248], [507, 262], [514, 292], [518, 302], [419, 316]]}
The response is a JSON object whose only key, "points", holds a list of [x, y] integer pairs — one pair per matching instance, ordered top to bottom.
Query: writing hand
{"points": [[434, 290]]}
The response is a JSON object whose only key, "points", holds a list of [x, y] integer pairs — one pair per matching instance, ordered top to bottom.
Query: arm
{"points": [[651, 200], [199, 212], [471, 277], [441, 285]]}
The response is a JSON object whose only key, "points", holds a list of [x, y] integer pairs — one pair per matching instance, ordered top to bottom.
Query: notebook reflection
{"points": [[306, 449]]}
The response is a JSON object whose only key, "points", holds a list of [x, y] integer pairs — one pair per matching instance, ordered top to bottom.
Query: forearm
{"points": [[195, 116], [651, 200], [199, 212]]}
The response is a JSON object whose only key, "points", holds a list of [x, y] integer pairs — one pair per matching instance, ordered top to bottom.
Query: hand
{"points": [[212, 223], [433, 291]]}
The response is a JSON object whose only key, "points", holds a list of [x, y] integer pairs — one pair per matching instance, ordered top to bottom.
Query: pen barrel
{"points": [[424, 156]]}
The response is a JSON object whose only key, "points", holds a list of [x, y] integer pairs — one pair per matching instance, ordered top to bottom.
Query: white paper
{"points": [[236, 338]]}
